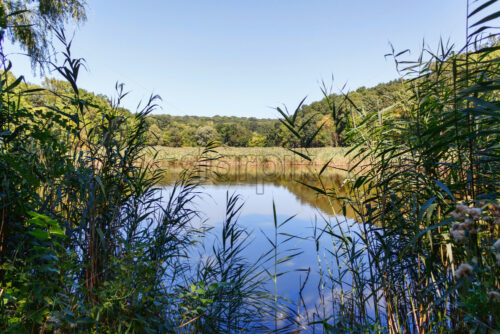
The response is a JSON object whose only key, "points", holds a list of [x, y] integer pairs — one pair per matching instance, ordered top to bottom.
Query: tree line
{"points": [[180, 131]]}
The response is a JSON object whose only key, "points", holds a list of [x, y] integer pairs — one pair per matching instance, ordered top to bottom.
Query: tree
{"points": [[30, 22], [205, 134], [154, 135], [234, 135], [173, 137], [257, 140]]}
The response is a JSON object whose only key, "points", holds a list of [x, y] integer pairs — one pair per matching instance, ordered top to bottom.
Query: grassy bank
{"points": [[251, 156]]}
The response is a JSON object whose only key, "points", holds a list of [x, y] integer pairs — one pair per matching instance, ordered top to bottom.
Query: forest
{"points": [[178, 131], [197, 131], [90, 242]]}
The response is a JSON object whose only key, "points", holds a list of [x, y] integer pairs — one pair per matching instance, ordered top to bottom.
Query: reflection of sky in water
{"points": [[258, 201], [257, 217]]}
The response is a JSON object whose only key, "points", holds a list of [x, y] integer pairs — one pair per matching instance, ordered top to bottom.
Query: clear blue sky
{"points": [[244, 57]]}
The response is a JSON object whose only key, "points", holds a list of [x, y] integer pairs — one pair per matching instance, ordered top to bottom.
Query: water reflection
{"points": [[292, 178], [312, 213]]}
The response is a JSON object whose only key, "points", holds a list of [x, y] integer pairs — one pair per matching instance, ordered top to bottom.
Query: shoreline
{"points": [[253, 157]]}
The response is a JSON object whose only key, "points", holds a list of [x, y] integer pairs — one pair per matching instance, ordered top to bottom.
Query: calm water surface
{"points": [[311, 215]]}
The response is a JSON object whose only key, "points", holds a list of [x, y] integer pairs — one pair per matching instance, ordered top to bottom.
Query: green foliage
{"points": [[30, 22], [332, 118], [178, 131], [205, 134], [233, 134], [257, 140], [424, 188], [87, 245], [79, 249], [27, 301]]}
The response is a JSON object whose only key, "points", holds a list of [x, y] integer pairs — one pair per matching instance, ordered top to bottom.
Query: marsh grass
{"points": [[437, 149], [252, 156], [90, 244]]}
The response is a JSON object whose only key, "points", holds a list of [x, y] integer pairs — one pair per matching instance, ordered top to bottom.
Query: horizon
{"points": [[243, 60]]}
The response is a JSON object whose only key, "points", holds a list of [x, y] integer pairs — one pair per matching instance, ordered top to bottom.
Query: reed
{"points": [[250, 156], [426, 197], [89, 243]]}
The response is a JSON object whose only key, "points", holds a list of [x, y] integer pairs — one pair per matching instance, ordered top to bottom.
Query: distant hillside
{"points": [[335, 116], [195, 130], [235, 131]]}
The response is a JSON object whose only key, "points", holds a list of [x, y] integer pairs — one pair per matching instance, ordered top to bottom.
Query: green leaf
{"points": [[480, 8], [486, 19], [15, 83], [294, 117], [310, 139], [300, 154], [325, 166], [101, 185], [445, 188], [316, 189], [39, 217], [38, 222], [57, 231], [39, 234]]}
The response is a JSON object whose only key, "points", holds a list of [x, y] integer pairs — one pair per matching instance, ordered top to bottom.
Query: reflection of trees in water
{"points": [[286, 178], [311, 197]]}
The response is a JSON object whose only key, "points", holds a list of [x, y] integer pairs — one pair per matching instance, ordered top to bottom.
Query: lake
{"points": [[311, 214]]}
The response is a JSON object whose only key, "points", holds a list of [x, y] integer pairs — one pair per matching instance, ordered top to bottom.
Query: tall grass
{"points": [[250, 157], [426, 197], [89, 244]]}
